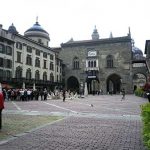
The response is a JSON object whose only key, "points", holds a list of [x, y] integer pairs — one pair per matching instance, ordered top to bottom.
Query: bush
{"points": [[139, 92], [146, 123]]}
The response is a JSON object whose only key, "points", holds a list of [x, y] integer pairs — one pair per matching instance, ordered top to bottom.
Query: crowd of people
{"points": [[24, 94], [38, 94]]}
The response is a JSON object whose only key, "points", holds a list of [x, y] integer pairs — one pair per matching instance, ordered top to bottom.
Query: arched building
{"points": [[105, 64]]}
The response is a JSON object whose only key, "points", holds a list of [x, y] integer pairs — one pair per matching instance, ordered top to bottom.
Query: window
{"points": [[40, 41], [19, 45], [2, 48], [29, 49], [8, 50], [37, 52], [45, 55], [19, 57], [51, 57], [28, 60], [109, 60], [1, 62], [37, 62], [57, 62], [8, 63], [75, 63], [92, 63], [44, 65], [51, 66], [19, 72], [1, 73], [8, 74], [28, 74], [37, 75], [45, 76], [52, 77], [57, 78]]}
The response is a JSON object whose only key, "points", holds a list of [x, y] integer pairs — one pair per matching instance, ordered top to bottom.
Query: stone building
{"points": [[6, 56], [31, 62], [105, 64], [108, 64]]}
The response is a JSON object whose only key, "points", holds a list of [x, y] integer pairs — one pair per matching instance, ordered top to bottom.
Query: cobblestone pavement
{"points": [[111, 124]]}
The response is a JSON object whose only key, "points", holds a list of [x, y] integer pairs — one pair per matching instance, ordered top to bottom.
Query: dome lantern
{"points": [[12, 29], [37, 33]]}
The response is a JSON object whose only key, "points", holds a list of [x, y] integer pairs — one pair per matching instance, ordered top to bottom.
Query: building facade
{"points": [[33, 64], [100, 64], [108, 65]]}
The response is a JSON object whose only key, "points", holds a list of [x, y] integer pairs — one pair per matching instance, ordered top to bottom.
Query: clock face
{"points": [[92, 53]]}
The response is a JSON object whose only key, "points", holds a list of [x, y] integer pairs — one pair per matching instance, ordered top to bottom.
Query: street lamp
{"points": [[120, 84]]}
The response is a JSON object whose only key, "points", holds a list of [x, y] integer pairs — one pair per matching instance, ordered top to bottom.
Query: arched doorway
{"points": [[139, 80], [73, 84], [114, 84]]}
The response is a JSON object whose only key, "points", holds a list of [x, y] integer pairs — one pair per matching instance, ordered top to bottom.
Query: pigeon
{"points": [[91, 105]]}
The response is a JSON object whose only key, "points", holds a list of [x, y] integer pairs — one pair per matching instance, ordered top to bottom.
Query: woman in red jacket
{"points": [[1, 107]]}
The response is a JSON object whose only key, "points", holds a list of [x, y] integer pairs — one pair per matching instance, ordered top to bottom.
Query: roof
{"points": [[36, 27], [99, 41]]}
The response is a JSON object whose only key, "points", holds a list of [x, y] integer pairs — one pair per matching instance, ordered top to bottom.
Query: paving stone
{"points": [[109, 125]]}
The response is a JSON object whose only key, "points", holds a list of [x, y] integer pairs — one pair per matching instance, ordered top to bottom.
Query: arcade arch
{"points": [[139, 79], [73, 84], [113, 84]]}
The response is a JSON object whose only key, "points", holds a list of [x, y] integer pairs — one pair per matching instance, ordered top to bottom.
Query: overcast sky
{"points": [[65, 19]]}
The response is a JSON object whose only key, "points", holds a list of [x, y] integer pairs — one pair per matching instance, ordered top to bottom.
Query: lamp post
{"points": [[120, 84]]}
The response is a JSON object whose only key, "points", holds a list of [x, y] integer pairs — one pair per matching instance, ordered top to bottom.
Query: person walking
{"points": [[123, 94], [64, 95], [1, 108]]}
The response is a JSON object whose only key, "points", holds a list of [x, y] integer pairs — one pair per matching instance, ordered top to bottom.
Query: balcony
{"points": [[92, 69]]}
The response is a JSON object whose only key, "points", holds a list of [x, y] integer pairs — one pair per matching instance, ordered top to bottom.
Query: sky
{"points": [[66, 19]]}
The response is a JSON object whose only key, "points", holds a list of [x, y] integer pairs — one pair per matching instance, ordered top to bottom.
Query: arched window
{"points": [[109, 60], [37, 62], [76, 63], [91, 63], [94, 63], [18, 72], [28, 74], [37, 75], [45, 76], [52, 77]]}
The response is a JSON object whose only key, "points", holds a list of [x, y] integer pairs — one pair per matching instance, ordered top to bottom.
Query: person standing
{"points": [[148, 95], [1, 108]]}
